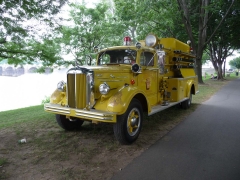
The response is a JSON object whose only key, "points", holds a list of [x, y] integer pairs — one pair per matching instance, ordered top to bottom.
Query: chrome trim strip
{"points": [[73, 71], [55, 107], [158, 108], [55, 110], [104, 114], [94, 117]]}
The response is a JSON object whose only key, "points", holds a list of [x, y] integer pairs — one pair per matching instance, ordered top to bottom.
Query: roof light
{"points": [[151, 40], [127, 41]]}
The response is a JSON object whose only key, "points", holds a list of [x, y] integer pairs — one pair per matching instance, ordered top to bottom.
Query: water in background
{"points": [[28, 89]]}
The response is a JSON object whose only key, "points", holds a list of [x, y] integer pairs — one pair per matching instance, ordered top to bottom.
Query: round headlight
{"points": [[151, 40], [61, 86], [104, 88]]}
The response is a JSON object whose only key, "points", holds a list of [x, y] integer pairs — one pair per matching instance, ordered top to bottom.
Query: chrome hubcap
{"points": [[133, 122]]}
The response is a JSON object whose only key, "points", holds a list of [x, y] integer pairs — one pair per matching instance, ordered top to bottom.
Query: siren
{"points": [[127, 41]]}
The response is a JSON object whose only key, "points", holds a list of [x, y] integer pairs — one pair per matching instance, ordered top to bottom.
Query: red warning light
{"points": [[127, 41], [132, 82]]}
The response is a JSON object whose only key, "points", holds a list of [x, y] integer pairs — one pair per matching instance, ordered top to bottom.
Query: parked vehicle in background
{"points": [[230, 71]]}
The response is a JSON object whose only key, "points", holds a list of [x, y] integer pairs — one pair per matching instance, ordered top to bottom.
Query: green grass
{"points": [[24, 115]]}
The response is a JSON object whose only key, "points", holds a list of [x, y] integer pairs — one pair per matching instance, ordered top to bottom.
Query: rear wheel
{"points": [[186, 104], [69, 124], [129, 124]]}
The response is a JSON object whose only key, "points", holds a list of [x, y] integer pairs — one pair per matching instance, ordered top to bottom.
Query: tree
{"points": [[125, 12], [140, 18], [161, 18], [91, 27], [24, 30], [198, 30], [223, 41], [218, 54], [235, 63]]}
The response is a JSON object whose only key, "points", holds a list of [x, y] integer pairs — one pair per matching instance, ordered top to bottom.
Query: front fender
{"points": [[58, 97], [119, 101]]}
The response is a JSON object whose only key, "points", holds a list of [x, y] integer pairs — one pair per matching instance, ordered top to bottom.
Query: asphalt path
{"points": [[206, 145]]}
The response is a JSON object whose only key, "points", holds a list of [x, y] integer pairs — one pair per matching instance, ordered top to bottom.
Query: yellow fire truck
{"points": [[150, 76]]}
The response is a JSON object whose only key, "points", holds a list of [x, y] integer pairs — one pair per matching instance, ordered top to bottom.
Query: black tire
{"points": [[186, 104], [129, 124], [69, 125]]}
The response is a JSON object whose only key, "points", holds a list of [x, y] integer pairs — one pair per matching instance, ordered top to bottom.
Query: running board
{"points": [[158, 108]]}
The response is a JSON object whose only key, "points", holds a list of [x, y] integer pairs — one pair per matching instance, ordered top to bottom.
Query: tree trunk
{"points": [[198, 45], [215, 65], [199, 66], [224, 67], [220, 74]]}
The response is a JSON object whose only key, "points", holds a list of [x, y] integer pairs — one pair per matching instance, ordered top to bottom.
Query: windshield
{"points": [[120, 56]]}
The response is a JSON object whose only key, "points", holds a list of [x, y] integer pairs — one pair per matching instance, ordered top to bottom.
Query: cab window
{"points": [[117, 56], [105, 59], [147, 59]]}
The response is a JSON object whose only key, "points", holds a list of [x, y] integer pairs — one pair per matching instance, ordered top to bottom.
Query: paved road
{"points": [[206, 146]]}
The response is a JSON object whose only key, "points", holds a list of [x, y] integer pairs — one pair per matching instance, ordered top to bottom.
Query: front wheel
{"points": [[186, 104], [69, 124], [129, 124]]}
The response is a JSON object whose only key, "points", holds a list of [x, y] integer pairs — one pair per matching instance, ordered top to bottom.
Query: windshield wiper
{"points": [[100, 58], [151, 59]]}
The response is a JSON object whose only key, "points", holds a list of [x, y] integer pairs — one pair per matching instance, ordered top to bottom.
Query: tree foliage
{"points": [[196, 16], [140, 18], [91, 27], [24, 30], [223, 42], [235, 63]]}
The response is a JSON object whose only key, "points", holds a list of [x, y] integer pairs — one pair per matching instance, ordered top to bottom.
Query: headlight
{"points": [[61, 86], [104, 88]]}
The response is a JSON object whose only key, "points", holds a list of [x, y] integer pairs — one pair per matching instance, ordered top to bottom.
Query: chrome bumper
{"points": [[92, 114]]}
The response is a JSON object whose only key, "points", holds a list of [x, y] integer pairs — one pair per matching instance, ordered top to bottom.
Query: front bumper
{"points": [[92, 114]]}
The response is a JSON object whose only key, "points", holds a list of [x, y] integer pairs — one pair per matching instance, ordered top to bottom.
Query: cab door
{"points": [[147, 80]]}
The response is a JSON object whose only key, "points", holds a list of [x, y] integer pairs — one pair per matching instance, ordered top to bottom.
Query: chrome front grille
{"points": [[80, 88], [76, 90]]}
